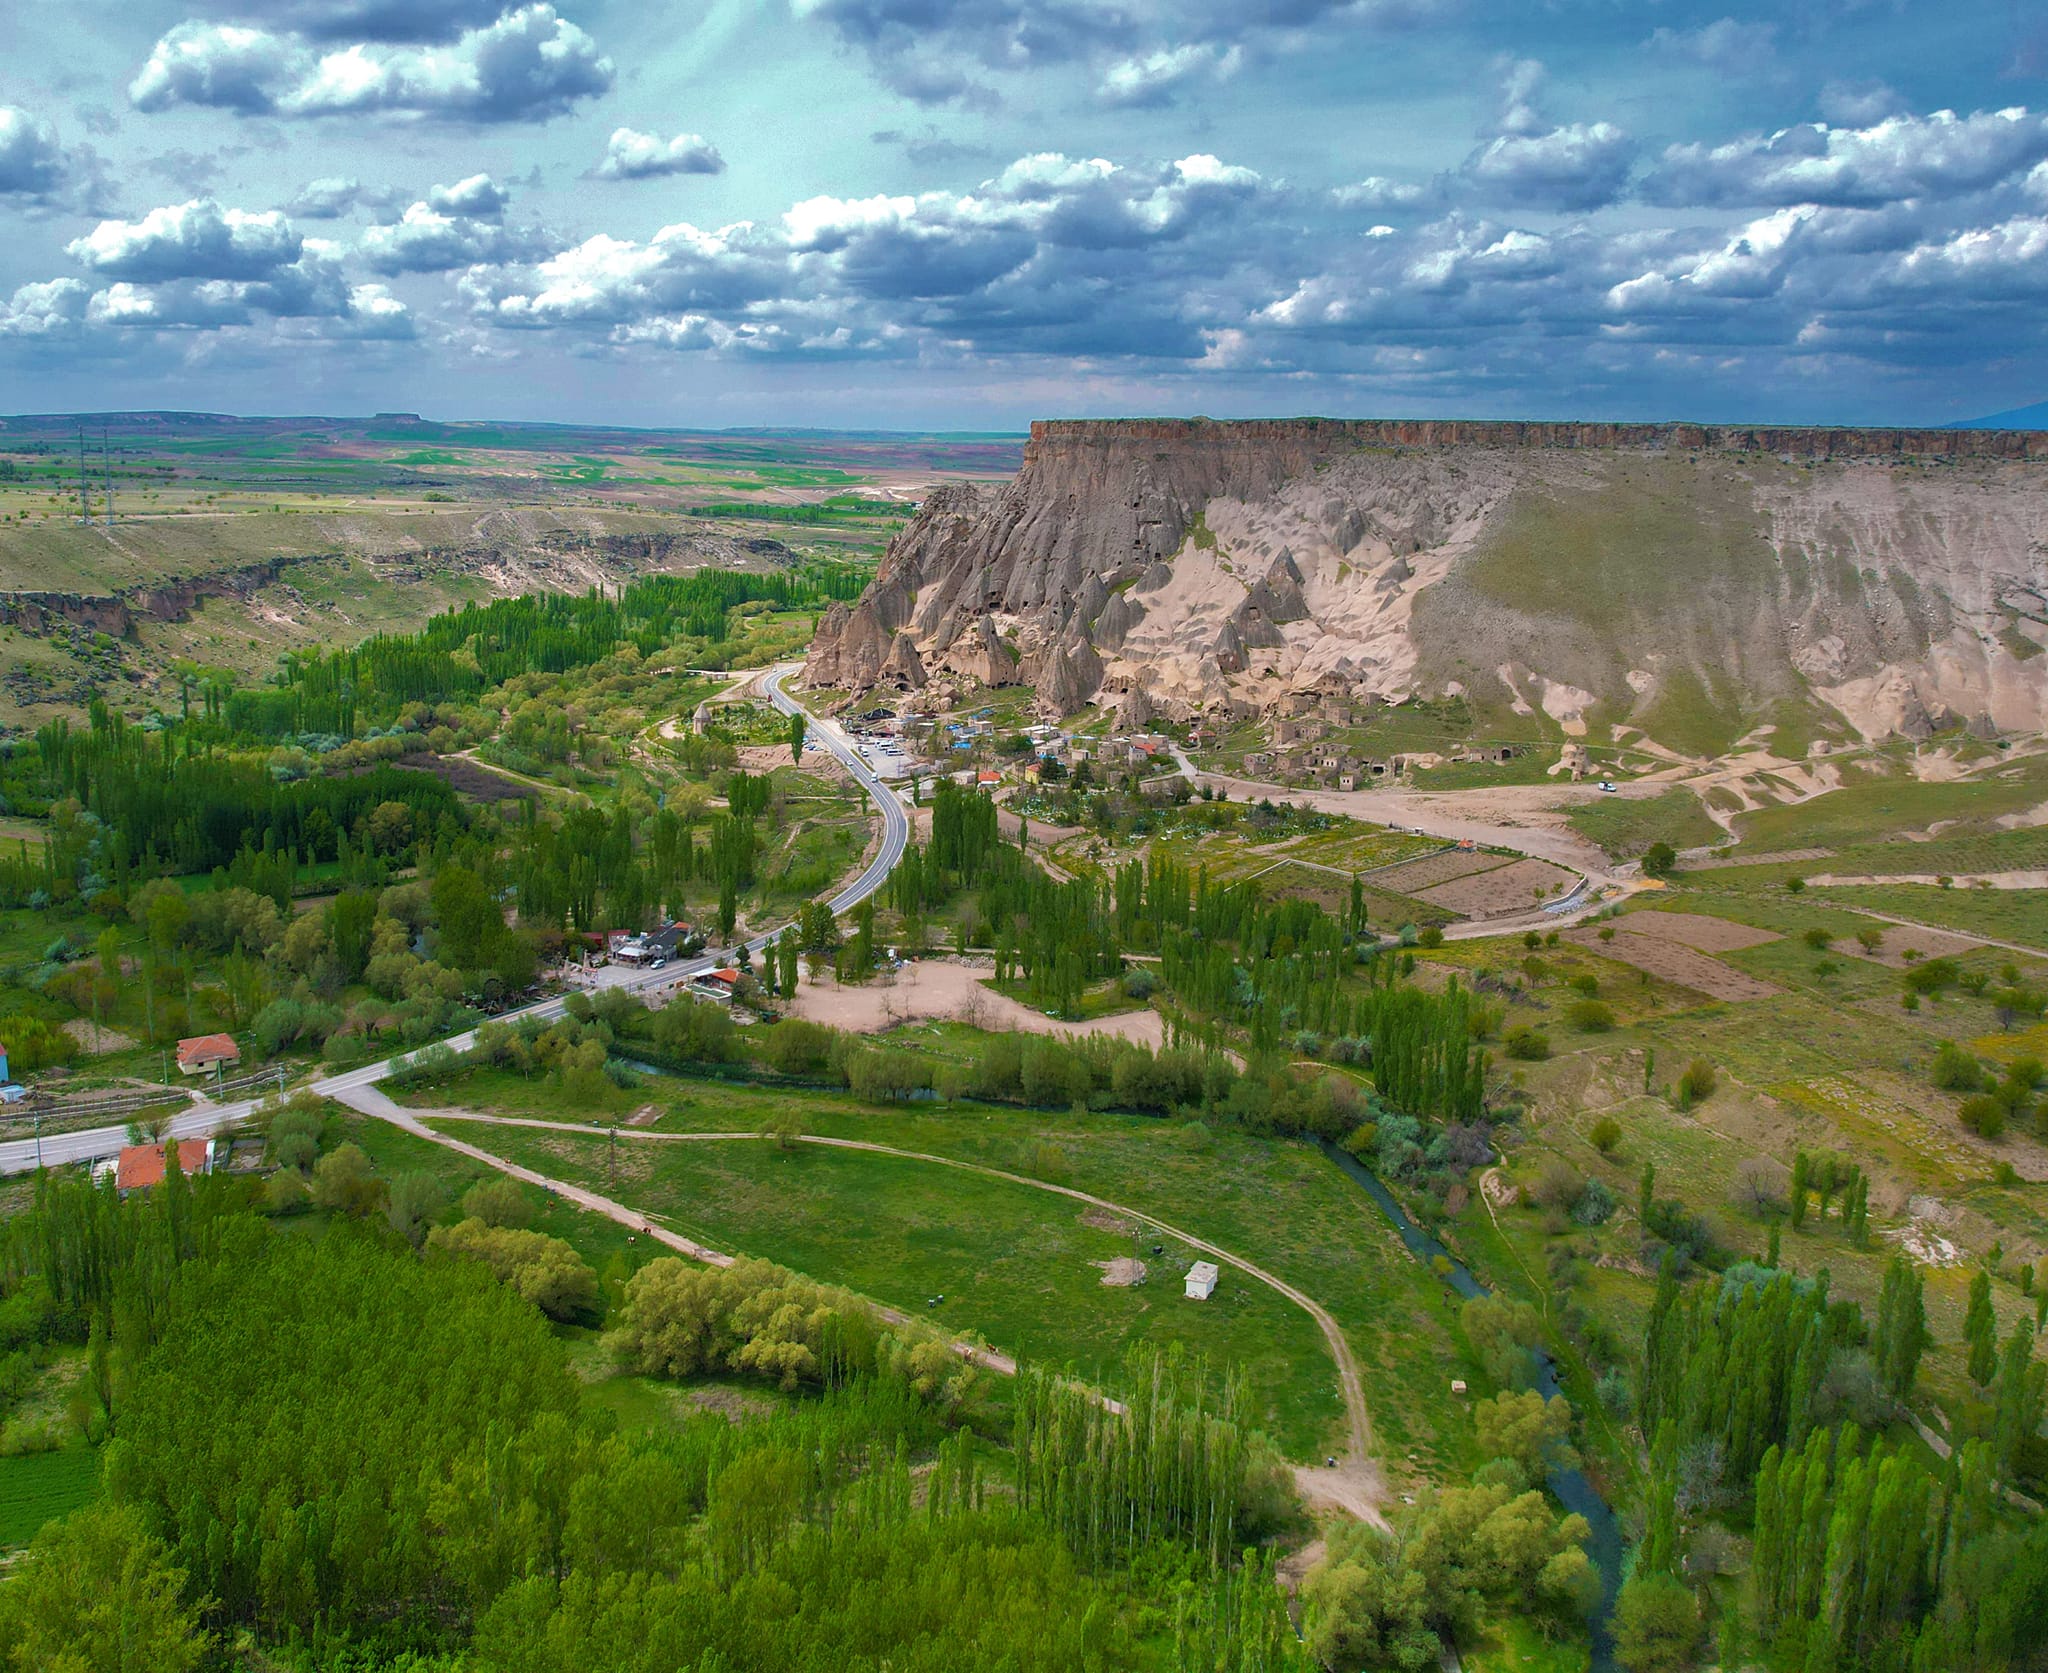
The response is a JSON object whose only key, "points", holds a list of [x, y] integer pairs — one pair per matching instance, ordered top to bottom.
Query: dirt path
{"points": [[1936, 929], [1354, 1485]]}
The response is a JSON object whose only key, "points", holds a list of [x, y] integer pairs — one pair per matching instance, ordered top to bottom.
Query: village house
{"points": [[204, 1053], [140, 1166]]}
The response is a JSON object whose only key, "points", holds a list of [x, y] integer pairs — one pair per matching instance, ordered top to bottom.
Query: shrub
{"points": [[1660, 859], [1432, 936], [1817, 939], [1586, 983], [1139, 984], [1589, 1016], [1526, 1044], [1955, 1070], [1698, 1082], [1983, 1114], [1605, 1135], [1558, 1185], [498, 1201], [1595, 1206], [543, 1269]]}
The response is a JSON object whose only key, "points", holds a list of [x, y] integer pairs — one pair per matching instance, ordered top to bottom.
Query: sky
{"points": [[966, 214]]}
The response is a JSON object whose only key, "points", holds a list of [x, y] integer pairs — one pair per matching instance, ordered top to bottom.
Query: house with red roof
{"points": [[205, 1052]]}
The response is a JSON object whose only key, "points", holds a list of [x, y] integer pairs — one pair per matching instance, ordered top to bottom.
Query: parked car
{"points": [[1607, 784]]}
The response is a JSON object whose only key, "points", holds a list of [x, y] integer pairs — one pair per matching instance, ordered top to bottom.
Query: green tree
{"points": [[795, 735], [1660, 859], [1802, 1177], [345, 1182], [1646, 1192], [415, 1203], [1901, 1328], [1980, 1330], [1530, 1432], [96, 1593], [1656, 1624]]}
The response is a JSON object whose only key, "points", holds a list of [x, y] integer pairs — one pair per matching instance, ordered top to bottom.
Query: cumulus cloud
{"points": [[529, 65], [224, 66], [630, 155], [1938, 155], [32, 163], [1576, 166], [1376, 191], [479, 197], [195, 240], [429, 240], [54, 308]]}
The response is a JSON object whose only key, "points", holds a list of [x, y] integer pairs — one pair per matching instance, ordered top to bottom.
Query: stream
{"points": [[1570, 1487]]}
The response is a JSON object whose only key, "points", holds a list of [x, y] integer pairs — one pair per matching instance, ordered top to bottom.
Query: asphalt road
{"points": [[92, 1143]]}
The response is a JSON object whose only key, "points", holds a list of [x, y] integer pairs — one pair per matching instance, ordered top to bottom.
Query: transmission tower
{"points": [[84, 492]]}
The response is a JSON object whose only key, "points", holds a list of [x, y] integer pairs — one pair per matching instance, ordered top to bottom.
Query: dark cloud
{"points": [[364, 20], [529, 65], [630, 155]]}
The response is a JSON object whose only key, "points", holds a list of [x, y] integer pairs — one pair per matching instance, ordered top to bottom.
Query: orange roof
{"points": [[209, 1048], [142, 1165]]}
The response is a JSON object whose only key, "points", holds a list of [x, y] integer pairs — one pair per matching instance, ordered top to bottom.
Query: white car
{"points": [[1607, 784]]}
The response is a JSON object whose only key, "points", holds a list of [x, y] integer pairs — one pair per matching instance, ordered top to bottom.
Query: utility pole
{"points": [[107, 467], [84, 493], [39, 1140]]}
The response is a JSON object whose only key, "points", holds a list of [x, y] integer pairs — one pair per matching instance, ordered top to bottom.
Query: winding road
{"points": [[93, 1143]]}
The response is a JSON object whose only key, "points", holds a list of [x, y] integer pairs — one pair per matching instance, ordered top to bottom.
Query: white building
{"points": [[1202, 1280]]}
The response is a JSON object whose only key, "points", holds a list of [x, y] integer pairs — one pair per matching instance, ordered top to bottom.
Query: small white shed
{"points": [[1202, 1280]]}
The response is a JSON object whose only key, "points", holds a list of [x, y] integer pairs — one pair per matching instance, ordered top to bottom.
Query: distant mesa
{"points": [[1692, 581]]}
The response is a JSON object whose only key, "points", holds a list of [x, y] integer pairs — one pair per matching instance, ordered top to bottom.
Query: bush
{"points": [[1431, 936], [1817, 939], [1139, 984], [1586, 984], [1589, 1016], [1526, 1044], [1955, 1070], [1698, 1082], [1983, 1114], [1605, 1135], [346, 1183], [498, 1201], [415, 1202], [1595, 1206], [543, 1269]]}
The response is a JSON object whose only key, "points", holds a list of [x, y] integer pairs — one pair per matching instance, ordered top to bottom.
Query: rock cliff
{"points": [[1685, 580]]}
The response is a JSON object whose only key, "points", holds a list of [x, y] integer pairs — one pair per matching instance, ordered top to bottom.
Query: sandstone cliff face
{"points": [[1617, 573]]}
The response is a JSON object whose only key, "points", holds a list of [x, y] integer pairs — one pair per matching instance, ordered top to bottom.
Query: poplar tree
{"points": [[1802, 1173], [1901, 1328], [1980, 1331]]}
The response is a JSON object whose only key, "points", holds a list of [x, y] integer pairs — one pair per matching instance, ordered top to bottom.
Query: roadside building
{"points": [[204, 1053], [140, 1166]]}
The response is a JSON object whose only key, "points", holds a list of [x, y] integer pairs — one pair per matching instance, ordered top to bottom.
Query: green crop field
{"points": [[37, 1486]]}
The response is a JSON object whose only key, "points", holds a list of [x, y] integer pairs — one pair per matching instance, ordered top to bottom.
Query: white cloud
{"points": [[1725, 44], [225, 66], [527, 66], [1154, 78], [629, 155], [1939, 155], [32, 163], [1578, 166], [1378, 192], [479, 197], [326, 199], [195, 240], [426, 240], [54, 308]]}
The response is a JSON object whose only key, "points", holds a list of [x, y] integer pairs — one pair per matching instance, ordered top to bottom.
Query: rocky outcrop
{"points": [[1889, 579]]}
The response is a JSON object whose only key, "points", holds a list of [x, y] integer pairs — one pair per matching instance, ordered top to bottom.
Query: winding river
{"points": [[1570, 1487]]}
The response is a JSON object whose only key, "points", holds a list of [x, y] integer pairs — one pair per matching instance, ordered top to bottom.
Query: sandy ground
{"points": [[1529, 818], [1411, 877], [1509, 888], [1691, 929], [1672, 961], [931, 990], [94, 1039]]}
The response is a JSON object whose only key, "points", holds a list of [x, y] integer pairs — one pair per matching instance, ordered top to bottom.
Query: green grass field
{"points": [[1625, 825], [904, 1231], [36, 1487]]}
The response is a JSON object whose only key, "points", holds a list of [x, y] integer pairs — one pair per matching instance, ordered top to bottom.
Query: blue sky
{"points": [[969, 213]]}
